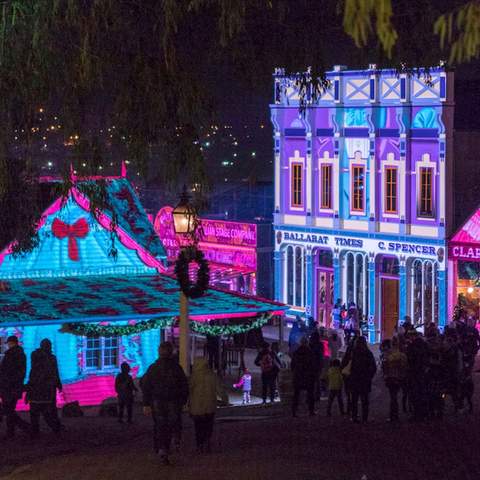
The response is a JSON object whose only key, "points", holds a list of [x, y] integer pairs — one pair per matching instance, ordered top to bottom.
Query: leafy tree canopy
{"points": [[148, 67]]}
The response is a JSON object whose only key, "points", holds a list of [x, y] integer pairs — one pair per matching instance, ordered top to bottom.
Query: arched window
{"points": [[290, 276], [298, 276], [355, 285], [424, 291], [295, 293]]}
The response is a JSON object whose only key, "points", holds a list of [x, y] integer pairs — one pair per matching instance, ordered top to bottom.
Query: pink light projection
{"points": [[470, 232], [229, 243], [144, 255]]}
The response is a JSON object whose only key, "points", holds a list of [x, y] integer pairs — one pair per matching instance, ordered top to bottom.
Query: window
{"points": [[326, 186], [426, 187], [358, 188], [391, 190], [297, 194], [295, 276], [355, 286], [424, 291], [3, 347], [101, 353]]}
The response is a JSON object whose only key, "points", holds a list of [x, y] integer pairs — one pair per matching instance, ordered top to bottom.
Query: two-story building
{"points": [[363, 194]]}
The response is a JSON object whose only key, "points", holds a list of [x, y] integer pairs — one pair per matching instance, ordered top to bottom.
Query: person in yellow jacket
{"points": [[335, 386], [203, 402]]}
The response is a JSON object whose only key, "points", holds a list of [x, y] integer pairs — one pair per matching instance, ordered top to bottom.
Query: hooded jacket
{"points": [[303, 367], [12, 372], [44, 378], [164, 382], [203, 389]]}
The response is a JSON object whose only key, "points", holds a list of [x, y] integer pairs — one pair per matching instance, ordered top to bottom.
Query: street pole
{"points": [[184, 341]]}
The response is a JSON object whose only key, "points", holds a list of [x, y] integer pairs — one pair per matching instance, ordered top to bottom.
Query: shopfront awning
{"points": [[100, 298]]}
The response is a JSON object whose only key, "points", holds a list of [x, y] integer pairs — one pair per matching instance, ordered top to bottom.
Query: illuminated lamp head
{"points": [[184, 215], [470, 289]]}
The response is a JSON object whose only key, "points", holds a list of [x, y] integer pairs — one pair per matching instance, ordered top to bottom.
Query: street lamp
{"points": [[184, 216], [185, 222]]}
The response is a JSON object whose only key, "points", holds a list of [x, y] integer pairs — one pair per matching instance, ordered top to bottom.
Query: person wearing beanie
{"points": [[12, 375], [42, 386]]}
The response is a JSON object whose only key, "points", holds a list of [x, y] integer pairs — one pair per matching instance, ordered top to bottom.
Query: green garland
{"points": [[96, 330], [216, 330]]}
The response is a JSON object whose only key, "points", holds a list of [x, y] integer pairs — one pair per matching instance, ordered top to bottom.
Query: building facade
{"points": [[363, 194]]}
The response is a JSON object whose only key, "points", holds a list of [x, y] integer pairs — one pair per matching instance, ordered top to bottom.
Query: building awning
{"points": [[105, 298]]}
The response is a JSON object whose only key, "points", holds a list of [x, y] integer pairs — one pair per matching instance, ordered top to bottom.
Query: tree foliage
{"points": [[147, 67]]}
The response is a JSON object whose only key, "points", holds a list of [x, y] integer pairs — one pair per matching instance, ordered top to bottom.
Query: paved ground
{"points": [[258, 443]]}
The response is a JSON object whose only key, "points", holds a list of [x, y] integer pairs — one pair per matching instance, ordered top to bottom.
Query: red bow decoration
{"points": [[78, 230]]}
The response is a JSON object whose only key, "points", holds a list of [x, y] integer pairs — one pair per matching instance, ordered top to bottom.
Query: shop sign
{"points": [[229, 233], [370, 245], [464, 252], [230, 256]]}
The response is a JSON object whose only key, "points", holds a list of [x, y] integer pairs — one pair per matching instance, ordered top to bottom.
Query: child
{"points": [[246, 384], [335, 385], [125, 389]]}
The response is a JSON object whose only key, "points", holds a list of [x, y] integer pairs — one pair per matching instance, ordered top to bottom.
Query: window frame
{"points": [[294, 165], [329, 168], [387, 197], [353, 208], [421, 212], [3, 346], [102, 367]]}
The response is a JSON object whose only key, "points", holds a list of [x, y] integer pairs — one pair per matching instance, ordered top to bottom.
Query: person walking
{"points": [[317, 348], [418, 356], [269, 365], [394, 368], [303, 369], [363, 369], [12, 375], [245, 383], [335, 385], [42, 386], [125, 389], [165, 391], [203, 403]]}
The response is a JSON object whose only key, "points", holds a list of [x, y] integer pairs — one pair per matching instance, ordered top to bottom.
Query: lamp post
{"points": [[185, 222]]}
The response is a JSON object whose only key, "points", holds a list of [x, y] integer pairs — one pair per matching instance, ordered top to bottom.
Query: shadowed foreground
{"points": [[259, 443]]}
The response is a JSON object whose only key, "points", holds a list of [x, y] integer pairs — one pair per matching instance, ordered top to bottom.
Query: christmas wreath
{"points": [[189, 288]]}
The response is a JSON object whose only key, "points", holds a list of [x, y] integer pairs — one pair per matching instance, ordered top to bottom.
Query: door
{"points": [[324, 296], [389, 317]]}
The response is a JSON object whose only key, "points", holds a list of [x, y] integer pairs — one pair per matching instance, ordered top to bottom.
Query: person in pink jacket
{"points": [[246, 383]]}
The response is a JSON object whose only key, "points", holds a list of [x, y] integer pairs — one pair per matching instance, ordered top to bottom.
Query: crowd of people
{"points": [[420, 372]]}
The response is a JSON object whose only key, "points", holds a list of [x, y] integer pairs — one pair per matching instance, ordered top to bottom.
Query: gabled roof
{"points": [[469, 232], [73, 242], [105, 298]]}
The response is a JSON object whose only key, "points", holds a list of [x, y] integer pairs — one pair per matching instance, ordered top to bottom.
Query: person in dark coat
{"points": [[296, 334], [317, 348], [418, 357], [270, 365], [303, 369], [363, 369], [12, 375], [42, 386], [125, 389], [165, 392]]}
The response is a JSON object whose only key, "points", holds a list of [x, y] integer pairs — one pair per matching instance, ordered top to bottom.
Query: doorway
{"points": [[324, 296], [389, 297]]}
